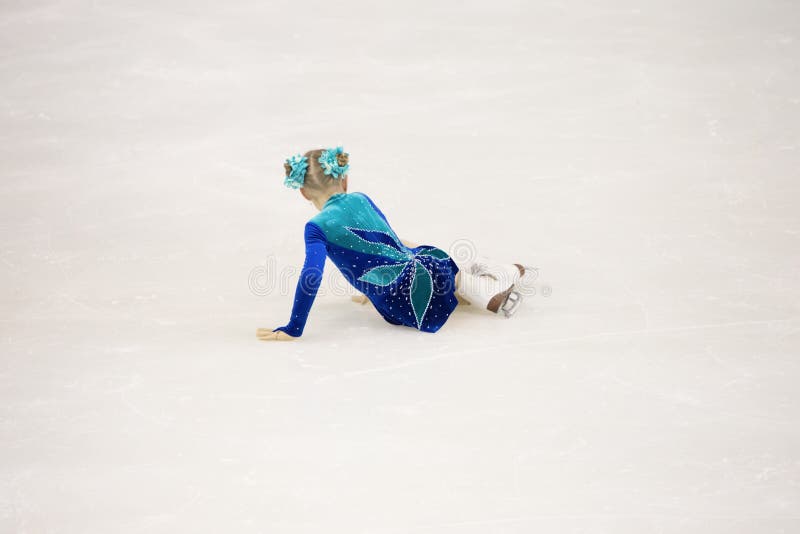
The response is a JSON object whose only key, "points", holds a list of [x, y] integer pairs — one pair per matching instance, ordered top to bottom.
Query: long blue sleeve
{"points": [[310, 280]]}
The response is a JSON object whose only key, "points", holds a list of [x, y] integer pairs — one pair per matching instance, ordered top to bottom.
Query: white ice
{"points": [[644, 155]]}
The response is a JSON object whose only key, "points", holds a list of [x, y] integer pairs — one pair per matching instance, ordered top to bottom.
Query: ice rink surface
{"points": [[644, 155]]}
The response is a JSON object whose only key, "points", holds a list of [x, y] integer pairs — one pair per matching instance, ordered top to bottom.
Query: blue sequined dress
{"points": [[408, 286]]}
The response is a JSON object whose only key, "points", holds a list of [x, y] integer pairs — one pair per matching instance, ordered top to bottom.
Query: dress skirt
{"points": [[422, 295]]}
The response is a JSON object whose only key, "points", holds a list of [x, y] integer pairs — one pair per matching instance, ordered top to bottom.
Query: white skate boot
{"points": [[507, 274], [488, 292]]}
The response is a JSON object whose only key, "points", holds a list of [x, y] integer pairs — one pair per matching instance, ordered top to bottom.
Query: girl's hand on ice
{"points": [[360, 299], [266, 334]]}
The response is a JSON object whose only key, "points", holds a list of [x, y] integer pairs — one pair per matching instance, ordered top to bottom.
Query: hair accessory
{"points": [[334, 162], [295, 167]]}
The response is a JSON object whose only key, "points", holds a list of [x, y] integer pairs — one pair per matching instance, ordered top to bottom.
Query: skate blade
{"points": [[511, 304]]}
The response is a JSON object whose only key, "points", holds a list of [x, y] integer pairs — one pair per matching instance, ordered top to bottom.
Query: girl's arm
{"points": [[307, 287]]}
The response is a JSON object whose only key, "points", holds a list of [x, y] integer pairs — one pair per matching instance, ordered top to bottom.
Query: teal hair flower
{"points": [[334, 162], [295, 167]]}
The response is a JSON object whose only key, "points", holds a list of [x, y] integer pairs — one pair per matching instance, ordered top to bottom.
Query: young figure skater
{"points": [[408, 285]]}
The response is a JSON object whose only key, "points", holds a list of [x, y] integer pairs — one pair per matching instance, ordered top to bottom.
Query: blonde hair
{"points": [[316, 179]]}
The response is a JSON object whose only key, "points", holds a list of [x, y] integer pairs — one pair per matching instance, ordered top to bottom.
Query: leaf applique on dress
{"points": [[387, 243], [434, 252], [383, 275], [421, 287], [421, 291]]}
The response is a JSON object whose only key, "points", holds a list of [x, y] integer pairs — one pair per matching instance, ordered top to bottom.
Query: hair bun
{"points": [[342, 159], [287, 168]]}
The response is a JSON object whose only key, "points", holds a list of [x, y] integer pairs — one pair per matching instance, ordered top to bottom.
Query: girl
{"points": [[409, 285]]}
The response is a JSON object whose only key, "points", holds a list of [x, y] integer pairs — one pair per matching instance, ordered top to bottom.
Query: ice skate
{"points": [[508, 274], [496, 295]]}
